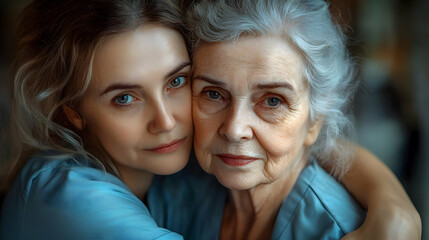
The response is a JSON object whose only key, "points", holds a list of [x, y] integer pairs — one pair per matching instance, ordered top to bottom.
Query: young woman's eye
{"points": [[177, 82], [213, 94], [124, 99], [273, 101]]}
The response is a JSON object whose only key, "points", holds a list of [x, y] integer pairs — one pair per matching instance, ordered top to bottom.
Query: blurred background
{"points": [[390, 40]]}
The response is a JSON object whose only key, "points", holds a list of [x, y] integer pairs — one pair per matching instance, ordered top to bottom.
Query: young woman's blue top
{"points": [[56, 198], [318, 207]]}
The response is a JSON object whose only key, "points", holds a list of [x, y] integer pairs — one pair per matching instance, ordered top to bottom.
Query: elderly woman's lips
{"points": [[169, 147], [236, 160]]}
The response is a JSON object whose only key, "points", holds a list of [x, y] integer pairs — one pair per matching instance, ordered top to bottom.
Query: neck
{"points": [[137, 180], [251, 213]]}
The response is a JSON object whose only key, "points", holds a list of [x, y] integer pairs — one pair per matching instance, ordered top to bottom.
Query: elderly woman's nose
{"points": [[162, 119], [236, 126]]}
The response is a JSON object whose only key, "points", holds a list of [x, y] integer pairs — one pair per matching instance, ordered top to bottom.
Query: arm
{"points": [[391, 214]]}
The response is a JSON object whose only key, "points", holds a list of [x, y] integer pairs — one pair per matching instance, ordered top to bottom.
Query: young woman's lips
{"points": [[169, 147], [236, 160]]}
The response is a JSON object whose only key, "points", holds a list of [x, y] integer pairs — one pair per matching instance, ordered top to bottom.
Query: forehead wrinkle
{"points": [[272, 64], [277, 68]]}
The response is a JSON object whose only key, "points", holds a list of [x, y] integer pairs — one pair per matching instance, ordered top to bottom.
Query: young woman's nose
{"points": [[162, 119], [236, 125]]}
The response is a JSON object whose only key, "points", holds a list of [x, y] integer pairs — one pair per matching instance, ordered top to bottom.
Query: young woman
{"points": [[101, 103]]}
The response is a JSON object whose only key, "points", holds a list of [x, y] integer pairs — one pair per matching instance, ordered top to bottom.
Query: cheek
{"points": [[206, 127], [115, 131], [288, 134], [205, 135], [277, 141], [283, 141], [202, 145], [283, 146]]}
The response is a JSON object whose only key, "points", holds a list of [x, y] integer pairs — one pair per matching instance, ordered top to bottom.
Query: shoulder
{"points": [[63, 177], [59, 196], [336, 201], [318, 207]]}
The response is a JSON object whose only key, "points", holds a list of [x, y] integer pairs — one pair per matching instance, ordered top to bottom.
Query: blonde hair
{"points": [[56, 44]]}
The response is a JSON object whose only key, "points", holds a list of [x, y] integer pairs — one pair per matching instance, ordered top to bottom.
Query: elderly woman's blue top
{"points": [[60, 198], [318, 207]]}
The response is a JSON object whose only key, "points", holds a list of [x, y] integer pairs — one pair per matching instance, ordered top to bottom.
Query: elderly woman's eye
{"points": [[213, 94], [273, 101]]}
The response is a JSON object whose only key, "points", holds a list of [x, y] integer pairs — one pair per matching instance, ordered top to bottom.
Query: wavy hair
{"points": [[56, 43], [328, 67]]}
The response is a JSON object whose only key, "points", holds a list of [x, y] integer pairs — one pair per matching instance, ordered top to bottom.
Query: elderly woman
{"points": [[271, 85]]}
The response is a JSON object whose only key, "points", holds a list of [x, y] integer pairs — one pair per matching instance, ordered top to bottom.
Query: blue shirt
{"points": [[60, 198], [318, 207]]}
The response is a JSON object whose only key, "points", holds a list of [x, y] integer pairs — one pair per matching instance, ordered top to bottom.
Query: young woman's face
{"points": [[138, 104]]}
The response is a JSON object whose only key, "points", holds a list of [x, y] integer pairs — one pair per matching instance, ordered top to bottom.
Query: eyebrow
{"points": [[177, 69], [209, 80], [269, 85], [274, 85], [120, 86], [123, 86]]}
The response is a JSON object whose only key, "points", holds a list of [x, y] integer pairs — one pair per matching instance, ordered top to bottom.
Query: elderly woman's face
{"points": [[250, 110]]}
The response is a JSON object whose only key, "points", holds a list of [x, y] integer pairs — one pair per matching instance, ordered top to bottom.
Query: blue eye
{"points": [[177, 82], [213, 94], [124, 99], [273, 101]]}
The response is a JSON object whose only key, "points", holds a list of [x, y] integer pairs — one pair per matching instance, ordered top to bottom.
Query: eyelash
{"points": [[185, 81], [205, 92], [279, 99], [282, 101], [127, 104]]}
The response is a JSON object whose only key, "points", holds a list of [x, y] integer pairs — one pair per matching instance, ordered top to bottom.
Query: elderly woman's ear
{"points": [[73, 116], [313, 131]]}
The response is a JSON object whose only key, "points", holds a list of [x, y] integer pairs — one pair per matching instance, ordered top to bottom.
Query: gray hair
{"points": [[56, 43], [328, 68]]}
